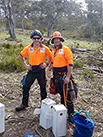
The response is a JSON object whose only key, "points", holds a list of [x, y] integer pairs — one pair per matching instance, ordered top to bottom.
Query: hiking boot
{"points": [[21, 107]]}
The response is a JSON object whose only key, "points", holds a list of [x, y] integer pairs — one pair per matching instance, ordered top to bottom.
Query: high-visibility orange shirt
{"points": [[36, 57], [62, 57]]}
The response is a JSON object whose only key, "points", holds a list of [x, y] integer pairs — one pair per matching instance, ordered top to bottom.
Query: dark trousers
{"points": [[31, 76], [59, 88]]}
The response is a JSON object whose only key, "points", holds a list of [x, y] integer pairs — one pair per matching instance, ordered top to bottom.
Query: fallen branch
{"points": [[81, 50], [101, 51], [95, 58], [94, 69], [98, 70], [83, 99], [38, 133]]}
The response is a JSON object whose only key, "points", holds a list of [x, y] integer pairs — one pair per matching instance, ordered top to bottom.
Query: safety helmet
{"points": [[36, 32], [57, 34]]}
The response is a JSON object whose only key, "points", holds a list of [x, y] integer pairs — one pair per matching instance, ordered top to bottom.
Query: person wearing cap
{"points": [[62, 64], [36, 67]]}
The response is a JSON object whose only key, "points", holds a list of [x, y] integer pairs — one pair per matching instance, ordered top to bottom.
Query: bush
{"points": [[10, 39], [6, 45], [9, 59], [12, 64], [78, 64], [89, 74]]}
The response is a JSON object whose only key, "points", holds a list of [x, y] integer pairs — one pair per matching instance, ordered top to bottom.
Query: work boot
{"points": [[21, 107], [70, 107], [70, 120]]}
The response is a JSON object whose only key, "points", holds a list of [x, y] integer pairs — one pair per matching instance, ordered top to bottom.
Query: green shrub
{"points": [[9, 39], [18, 40], [6, 45], [78, 45], [9, 52], [10, 61], [12, 64], [78, 64], [2, 65], [89, 74]]}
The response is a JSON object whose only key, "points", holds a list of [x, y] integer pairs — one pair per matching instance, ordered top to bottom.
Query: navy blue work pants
{"points": [[31, 76]]}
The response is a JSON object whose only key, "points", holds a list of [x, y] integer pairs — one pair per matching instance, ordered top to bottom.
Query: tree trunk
{"points": [[9, 16], [1, 20], [22, 20], [11, 22], [2, 24], [50, 27], [11, 29], [90, 29], [49, 31]]}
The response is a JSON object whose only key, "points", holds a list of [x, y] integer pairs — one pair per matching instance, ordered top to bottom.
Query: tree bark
{"points": [[9, 16], [2, 20], [22, 20], [11, 22], [2, 24], [90, 28], [49, 31]]}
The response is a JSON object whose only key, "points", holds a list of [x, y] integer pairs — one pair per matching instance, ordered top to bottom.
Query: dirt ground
{"points": [[18, 124]]}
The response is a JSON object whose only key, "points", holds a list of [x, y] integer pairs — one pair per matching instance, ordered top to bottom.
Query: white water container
{"points": [[46, 113], [2, 118], [59, 120]]}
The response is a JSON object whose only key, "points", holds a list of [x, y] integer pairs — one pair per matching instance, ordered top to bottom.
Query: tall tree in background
{"points": [[13, 10], [22, 11], [50, 11], [1, 15], [94, 15], [9, 17]]}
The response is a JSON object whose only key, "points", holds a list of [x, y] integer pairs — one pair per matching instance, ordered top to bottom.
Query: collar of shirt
{"points": [[33, 45], [59, 47]]}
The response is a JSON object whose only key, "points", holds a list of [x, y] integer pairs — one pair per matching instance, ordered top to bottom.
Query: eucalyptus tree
{"points": [[6, 5], [14, 9], [21, 9], [49, 11], [73, 13], [94, 15], [2, 16]]}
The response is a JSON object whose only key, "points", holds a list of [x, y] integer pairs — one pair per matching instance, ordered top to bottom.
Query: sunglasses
{"points": [[35, 38]]}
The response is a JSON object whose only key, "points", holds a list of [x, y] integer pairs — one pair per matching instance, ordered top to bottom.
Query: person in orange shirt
{"points": [[62, 64], [36, 67]]}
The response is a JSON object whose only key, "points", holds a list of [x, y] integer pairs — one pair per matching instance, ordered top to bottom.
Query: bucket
{"points": [[84, 126]]}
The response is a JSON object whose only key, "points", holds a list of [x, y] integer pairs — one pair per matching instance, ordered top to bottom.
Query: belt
{"points": [[61, 73]]}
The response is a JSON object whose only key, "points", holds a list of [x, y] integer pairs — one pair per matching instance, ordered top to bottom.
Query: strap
{"points": [[72, 88], [66, 95], [77, 113]]}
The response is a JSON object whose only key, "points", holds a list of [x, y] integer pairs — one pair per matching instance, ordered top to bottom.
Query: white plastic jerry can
{"points": [[46, 113], [2, 118], [59, 120]]}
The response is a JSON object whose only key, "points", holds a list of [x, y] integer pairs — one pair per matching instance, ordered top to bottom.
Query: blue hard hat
{"points": [[36, 32]]}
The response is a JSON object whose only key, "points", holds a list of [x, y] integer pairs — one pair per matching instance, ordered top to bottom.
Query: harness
{"points": [[65, 92]]}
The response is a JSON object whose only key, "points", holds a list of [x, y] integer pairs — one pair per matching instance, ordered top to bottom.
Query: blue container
{"points": [[83, 126], [29, 135]]}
